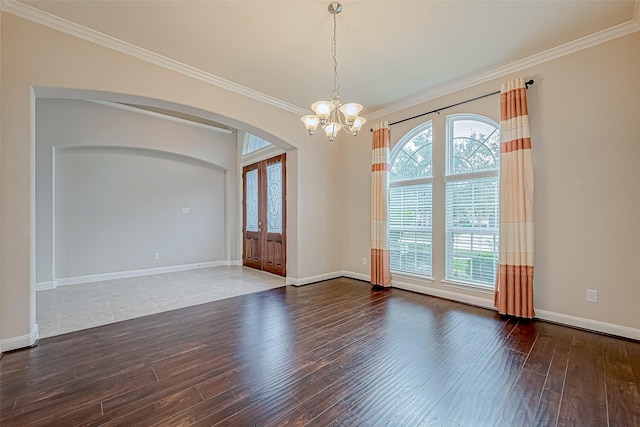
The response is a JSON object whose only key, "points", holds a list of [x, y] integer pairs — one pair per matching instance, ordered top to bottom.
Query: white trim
{"points": [[68, 27], [457, 85], [161, 116], [260, 155], [53, 213], [401, 274], [357, 276], [313, 279], [64, 281], [43, 286], [468, 286], [440, 293], [562, 319], [592, 325], [22, 341]]}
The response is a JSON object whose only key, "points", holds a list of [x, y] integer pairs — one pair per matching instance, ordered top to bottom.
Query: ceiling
{"points": [[388, 51]]}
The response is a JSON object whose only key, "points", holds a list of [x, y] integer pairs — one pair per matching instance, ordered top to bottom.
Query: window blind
{"points": [[410, 216], [472, 230]]}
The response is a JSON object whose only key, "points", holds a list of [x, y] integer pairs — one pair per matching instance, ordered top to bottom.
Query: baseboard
{"points": [[357, 276], [313, 279], [64, 281], [43, 286], [440, 293], [563, 319], [592, 325], [22, 341]]}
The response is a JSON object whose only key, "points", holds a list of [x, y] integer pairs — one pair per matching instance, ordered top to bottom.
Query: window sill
{"points": [[468, 286]]}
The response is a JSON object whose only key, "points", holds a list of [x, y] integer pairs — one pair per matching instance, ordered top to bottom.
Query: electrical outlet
{"points": [[185, 210], [156, 255], [364, 261], [592, 296]]}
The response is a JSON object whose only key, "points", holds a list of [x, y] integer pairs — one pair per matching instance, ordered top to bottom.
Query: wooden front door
{"points": [[264, 219]]}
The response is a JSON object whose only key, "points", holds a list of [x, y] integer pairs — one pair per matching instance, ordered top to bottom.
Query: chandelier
{"points": [[327, 115]]}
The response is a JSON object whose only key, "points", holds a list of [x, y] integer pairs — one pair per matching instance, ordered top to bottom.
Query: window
{"points": [[253, 143], [411, 182], [471, 199]]}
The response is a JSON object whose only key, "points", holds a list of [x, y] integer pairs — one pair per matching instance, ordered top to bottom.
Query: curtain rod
{"points": [[437, 110]]}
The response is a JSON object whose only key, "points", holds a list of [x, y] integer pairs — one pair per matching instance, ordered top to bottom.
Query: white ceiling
{"points": [[388, 51]]}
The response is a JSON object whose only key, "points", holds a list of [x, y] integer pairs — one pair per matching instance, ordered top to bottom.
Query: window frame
{"points": [[397, 149]]}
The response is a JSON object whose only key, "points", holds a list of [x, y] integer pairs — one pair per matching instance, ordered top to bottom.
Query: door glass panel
{"points": [[251, 182], [274, 198]]}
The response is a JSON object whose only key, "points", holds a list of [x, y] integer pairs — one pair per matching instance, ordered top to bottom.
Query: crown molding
{"points": [[38, 16], [52, 21], [453, 86]]}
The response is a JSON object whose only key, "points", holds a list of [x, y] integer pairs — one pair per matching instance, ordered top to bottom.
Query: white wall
{"points": [[584, 111], [125, 203], [116, 208]]}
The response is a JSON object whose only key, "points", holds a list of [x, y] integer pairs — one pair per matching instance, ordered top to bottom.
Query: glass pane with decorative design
{"points": [[475, 146], [413, 159], [274, 198], [251, 202]]}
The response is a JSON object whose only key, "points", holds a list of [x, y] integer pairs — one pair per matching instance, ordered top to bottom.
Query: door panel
{"points": [[264, 219], [251, 247]]}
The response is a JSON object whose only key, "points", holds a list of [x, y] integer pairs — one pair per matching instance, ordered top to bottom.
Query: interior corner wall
{"points": [[36, 56], [583, 112], [0, 176], [121, 181]]}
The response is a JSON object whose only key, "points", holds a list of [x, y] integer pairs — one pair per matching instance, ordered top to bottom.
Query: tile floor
{"points": [[74, 307]]}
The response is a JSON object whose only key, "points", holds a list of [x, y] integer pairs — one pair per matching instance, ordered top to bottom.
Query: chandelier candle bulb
{"points": [[331, 116]]}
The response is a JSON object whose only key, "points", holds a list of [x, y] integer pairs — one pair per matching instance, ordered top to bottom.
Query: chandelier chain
{"points": [[336, 76], [333, 116]]}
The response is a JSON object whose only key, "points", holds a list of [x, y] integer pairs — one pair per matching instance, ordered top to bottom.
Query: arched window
{"points": [[253, 143], [411, 182], [472, 195]]}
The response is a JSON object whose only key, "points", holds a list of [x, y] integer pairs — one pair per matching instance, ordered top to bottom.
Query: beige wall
{"points": [[34, 56], [584, 112]]}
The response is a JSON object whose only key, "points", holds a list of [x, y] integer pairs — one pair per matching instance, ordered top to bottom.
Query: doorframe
{"points": [[268, 156]]}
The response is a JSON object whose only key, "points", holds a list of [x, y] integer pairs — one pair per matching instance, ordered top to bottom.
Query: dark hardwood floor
{"points": [[332, 353]]}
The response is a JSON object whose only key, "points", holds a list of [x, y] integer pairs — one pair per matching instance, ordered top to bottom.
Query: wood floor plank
{"points": [[333, 353], [623, 396], [584, 399], [484, 400], [523, 400], [548, 408]]}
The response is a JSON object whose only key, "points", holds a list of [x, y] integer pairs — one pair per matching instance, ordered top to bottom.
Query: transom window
{"points": [[253, 143], [472, 195], [410, 215]]}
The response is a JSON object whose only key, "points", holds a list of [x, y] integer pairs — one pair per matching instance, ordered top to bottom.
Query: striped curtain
{"points": [[380, 261], [514, 281]]}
